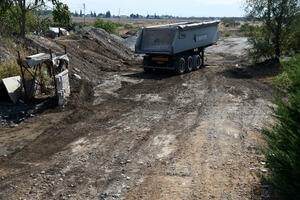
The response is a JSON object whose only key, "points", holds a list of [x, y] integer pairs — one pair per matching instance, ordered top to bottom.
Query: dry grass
{"points": [[9, 69]]}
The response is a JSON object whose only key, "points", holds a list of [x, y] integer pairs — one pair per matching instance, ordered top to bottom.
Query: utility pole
{"points": [[84, 13]]}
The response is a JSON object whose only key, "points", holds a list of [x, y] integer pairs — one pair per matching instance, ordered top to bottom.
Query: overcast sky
{"points": [[183, 8]]}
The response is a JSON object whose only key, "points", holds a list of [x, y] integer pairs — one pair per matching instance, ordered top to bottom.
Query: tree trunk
{"points": [[23, 18], [23, 25], [278, 37]]}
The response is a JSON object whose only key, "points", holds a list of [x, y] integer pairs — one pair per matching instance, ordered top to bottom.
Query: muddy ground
{"points": [[148, 136]]}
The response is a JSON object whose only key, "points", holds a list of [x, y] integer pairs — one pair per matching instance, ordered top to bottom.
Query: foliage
{"points": [[18, 12], [61, 14], [108, 14], [227, 20], [4, 22], [44, 24], [10, 25], [108, 26], [128, 26], [247, 29], [278, 32], [228, 34], [296, 43], [261, 46], [9, 69], [282, 81], [283, 139]]}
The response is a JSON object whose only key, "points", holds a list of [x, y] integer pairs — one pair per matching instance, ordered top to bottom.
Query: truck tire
{"points": [[197, 62], [190, 64], [180, 68]]}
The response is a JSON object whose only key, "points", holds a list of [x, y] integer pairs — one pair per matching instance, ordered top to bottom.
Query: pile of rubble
{"points": [[91, 51]]}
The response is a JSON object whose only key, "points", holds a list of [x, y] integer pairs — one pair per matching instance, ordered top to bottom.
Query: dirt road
{"points": [[151, 136]]}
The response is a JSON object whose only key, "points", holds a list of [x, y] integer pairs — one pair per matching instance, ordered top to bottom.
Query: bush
{"points": [[228, 20], [108, 26], [128, 26], [246, 29], [228, 34], [262, 48], [9, 69], [283, 139]]}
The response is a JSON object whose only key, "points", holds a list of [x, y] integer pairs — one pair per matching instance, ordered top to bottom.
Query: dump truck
{"points": [[178, 46]]}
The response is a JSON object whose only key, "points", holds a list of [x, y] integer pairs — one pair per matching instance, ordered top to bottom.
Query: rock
{"points": [[77, 77], [12, 125], [140, 163], [264, 170], [43, 172], [60, 179], [116, 195]]}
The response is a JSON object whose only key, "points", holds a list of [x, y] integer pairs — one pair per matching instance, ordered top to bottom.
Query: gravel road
{"points": [[150, 136]]}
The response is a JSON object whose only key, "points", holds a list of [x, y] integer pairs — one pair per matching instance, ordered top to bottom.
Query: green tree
{"points": [[19, 9], [61, 14], [108, 15], [278, 29], [296, 44], [283, 139]]}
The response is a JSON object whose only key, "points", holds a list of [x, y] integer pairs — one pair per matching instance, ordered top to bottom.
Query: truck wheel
{"points": [[197, 62], [190, 64], [180, 69]]}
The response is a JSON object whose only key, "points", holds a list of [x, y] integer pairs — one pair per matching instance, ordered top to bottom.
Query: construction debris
{"points": [[56, 64], [11, 87], [62, 87]]}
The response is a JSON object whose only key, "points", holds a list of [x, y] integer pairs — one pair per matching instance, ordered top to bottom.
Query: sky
{"points": [[182, 8]]}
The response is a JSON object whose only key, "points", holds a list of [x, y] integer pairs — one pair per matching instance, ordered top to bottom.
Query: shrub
{"points": [[228, 20], [108, 26], [128, 26], [246, 29], [228, 34], [262, 48], [9, 69], [283, 139]]}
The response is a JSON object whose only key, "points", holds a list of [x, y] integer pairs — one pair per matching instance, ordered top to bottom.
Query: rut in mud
{"points": [[151, 136]]}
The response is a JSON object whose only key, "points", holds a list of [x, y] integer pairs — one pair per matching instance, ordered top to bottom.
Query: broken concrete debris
{"points": [[62, 86], [11, 89], [264, 170]]}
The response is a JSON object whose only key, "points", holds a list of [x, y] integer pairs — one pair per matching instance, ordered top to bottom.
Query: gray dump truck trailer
{"points": [[178, 47]]}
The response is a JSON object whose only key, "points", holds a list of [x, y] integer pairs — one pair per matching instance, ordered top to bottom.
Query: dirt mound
{"points": [[109, 42], [91, 51]]}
